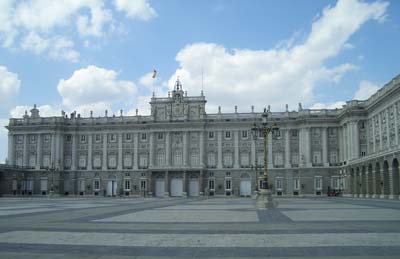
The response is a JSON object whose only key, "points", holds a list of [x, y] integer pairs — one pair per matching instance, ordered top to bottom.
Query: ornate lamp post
{"points": [[52, 169], [264, 198]]}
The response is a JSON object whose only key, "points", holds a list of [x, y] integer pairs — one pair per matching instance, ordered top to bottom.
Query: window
{"points": [[332, 132], [295, 133], [227, 134], [244, 134], [277, 134], [211, 135], [128, 136], [143, 136], [160, 136], [113, 137], [46, 138], [69, 138], [83, 138], [97, 138], [20, 139], [33, 139], [362, 153], [178, 157], [317, 157], [333, 157], [160, 158], [194, 158], [260, 158], [228, 159], [244, 159], [278, 159], [295, 159], [97, 160], [127, 160], [143, 160], [211, 160], [82, 161], [211, 174], [228, 174], [143, 175], [336, 182], [279, 183], [318, 183], [211, 184], [228, 184], [296, 184], [96, 185], [127, 185], [143, 185]]}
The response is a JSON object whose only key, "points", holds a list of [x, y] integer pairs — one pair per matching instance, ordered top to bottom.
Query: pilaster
{"points": [[90, 146], [325, 146], [185, 148], [287, 148], [11, 149], [151, 149], [168, 149], [201, 149], [236, 149], [135, 150], [38, 151], [73, 158], [270, 161], [104, 163], [219, 164], [119, 165]]}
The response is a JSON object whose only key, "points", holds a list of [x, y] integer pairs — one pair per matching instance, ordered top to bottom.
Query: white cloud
{"points": [[139, 9], [30, 24], [63, 49], [275, 76], [95, 88], [9, 89], [365, 90], [334, 105]]}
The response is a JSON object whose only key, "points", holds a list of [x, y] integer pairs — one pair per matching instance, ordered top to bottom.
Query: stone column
{"points": [[387, 129], [396, 131], [380, 132], [340, 136], [105, 140], [356, 141], [345, 142], [325, 147], [185, 148], [287, 148], [11, 149], [151, 149], [167, 149], [201, 149], [374, 149], [53, 150], [38, 151], [135, 151], [253, 151], [25, 158], [73, 158], [60, 159], [270, 161], [90, 162], [219, 163], [236, 163], [119, 165], [367, 176], [382, 180], [166, 184], [201, 188], [391, 189], [184, 193], [374, 194]]}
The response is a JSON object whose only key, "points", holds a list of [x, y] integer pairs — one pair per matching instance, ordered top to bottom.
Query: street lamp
{"points": [[255, 167], [52, 169], [264, 199]]}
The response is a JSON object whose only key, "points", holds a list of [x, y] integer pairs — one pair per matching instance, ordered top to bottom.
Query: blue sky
{"points": [[97, 55]]}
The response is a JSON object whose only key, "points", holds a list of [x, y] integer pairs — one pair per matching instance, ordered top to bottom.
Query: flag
{"points": [[154, 73]]}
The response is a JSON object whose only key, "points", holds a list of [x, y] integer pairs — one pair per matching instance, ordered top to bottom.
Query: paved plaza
{"points": [[198, 228]]}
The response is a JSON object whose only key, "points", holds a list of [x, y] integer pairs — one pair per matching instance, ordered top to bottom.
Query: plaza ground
{"points": [[198, 228]]}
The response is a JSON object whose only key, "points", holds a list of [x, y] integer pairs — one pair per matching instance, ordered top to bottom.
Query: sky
{"points": [[97, 55]]}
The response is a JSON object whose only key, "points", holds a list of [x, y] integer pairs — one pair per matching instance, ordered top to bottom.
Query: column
{"points": [[396, 119], [387, 129], [380, 132], [373, 135], [340, 136], [105, 140], [356, 140], [345, 142], [350, 142], [325, 147], [185, 148], [287, 148], [11, 149], [151, 149], [167, 149], [201, 149], [53, 150], [25, 151], [38, 151], [60, 151], [135, 151], [253, 151], [73, 158], [270, 161], [89, 162], [236, 163], [219, 164], [119, 165], [367, 176], [382, 180], [166, 184], [355, 184], [201, 188], [391, 191], [184, 193], [374, 194]]}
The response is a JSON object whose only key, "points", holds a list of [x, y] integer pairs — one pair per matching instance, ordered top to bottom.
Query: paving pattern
{"points": [[198, 228]]}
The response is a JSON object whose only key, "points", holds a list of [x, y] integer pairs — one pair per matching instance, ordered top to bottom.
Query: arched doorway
{"points": [[396, 178], [386, 180], [245, 185], [112, 186], [160, 186], [176, 186], [193, 186]]}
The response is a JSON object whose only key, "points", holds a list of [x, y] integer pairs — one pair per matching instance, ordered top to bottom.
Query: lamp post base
{"points": [[264, 200]]}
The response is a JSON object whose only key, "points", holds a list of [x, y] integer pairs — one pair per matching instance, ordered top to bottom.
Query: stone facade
{"points": [[180, 150]]}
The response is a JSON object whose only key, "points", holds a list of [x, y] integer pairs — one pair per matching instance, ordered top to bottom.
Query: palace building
{"points": [[180, 150]]}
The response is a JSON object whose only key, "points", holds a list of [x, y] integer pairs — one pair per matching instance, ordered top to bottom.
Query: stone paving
{"points": [[198, 228]]}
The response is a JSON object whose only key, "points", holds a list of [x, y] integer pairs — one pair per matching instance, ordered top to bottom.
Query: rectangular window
{"points": [[294, 133], [227, 134], [244, 134], [211, 135], [128, 136], [160, 136], [113, 137], [143, 137], [69, 138], [83, 138], [97, 138], [33, 139], [211, 160], [211, 174], [228, 174], [279, 183], [318, 183], [211, 184], [228, 184], [296, 184], [96, 185], [127, 185], [143, 185]]}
